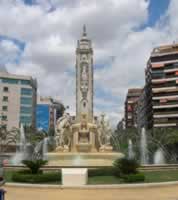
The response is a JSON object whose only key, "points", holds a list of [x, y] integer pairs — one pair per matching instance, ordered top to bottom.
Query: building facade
{"points": [[162, 87], [17, 100], [131, 107], [141, 110], [47, 112]]}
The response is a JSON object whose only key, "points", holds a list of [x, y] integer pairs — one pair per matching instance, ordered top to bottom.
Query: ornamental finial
{"points": [[84, 30]]}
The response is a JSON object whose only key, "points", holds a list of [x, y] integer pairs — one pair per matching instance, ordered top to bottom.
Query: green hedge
{"points": [[125, 166], [105, 171], [36, 178], [134, 178]]}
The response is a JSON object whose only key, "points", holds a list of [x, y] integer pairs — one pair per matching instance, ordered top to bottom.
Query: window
{"points": [[10, 81], [25, 82], [5, 89], [26, 91], [5, 98], [26, 100], [4, 108], [25, 110], [4, 117], [26, 119], [4, 126]]}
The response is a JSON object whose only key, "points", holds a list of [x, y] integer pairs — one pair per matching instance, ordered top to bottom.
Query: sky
{"points": [[39, 38]]}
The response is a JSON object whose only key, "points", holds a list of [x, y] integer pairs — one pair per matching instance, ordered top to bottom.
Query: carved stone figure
{"points": [[84, 81], [63, 132], [104, 133]]}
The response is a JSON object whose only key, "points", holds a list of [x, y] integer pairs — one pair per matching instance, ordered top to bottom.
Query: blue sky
{"points": [[157, 8], [40, 43]]}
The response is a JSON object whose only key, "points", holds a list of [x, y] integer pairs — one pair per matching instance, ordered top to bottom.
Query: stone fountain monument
{"points": [[87, 137]]}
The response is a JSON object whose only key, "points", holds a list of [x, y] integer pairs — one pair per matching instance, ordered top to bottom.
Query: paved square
{"points": [[158, 193]]}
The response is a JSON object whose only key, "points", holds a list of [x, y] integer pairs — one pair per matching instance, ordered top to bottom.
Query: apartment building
{"points": [[162, 87], [17, 100], [131, 107], [141, 110]]}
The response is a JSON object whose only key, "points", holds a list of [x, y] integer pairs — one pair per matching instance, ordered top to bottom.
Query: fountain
{"points": [[84, 140], [45, 148], [143, 148], [21, 152], [131, 154], [159, 158]]}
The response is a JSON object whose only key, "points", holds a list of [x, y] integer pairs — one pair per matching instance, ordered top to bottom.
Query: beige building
{"points": [[17, 100]]}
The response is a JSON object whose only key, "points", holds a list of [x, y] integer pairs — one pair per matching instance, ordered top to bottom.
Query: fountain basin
{"points": [[82, 159]]}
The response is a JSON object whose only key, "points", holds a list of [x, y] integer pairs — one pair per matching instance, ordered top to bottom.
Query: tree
{"points": [[8, 138], [34, 165]]}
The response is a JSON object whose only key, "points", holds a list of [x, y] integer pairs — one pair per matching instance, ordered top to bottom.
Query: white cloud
{"points": [[112, 25], [8, 51]]}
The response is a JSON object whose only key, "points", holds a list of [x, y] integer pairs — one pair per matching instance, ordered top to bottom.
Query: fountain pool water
{"points": [[143, 148], [159, 158]]}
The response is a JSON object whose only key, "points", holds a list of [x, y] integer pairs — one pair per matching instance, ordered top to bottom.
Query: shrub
{"points": [[34, 165], [125, 166], [105, 171], [36, 178], [134, 178]]}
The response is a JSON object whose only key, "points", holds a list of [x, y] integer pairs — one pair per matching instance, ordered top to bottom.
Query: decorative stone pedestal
{"points": [[107, 149], [74, 176]]}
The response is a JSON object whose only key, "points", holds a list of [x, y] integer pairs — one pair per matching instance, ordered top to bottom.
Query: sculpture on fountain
{"points": [[63, 133], [104, 134], [84, 135], [84, 138]]}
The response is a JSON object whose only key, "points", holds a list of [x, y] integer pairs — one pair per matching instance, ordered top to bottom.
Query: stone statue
{"points": [[84, 73], [84, 81], [63, 132], [104, 133]]}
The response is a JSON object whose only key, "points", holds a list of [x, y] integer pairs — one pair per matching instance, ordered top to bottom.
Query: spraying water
{"points": [[22, 139], [45, 148], [144, 148], [130, 149], [22, 151], [159, 158]]}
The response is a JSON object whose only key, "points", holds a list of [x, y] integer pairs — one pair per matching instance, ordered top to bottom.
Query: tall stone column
{"points": [[84, 78]]}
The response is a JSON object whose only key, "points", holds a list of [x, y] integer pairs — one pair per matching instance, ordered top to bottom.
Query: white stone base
{"points": [[74, 176]]}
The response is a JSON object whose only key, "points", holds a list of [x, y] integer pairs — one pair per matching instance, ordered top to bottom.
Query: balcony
{"points": [[164, 57], [170, 69], [165, 79], [164, 89], [158, 97], [173, 105], [165, 115], [165, 125]]}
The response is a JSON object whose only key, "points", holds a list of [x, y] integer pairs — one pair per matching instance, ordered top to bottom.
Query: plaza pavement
{"points": [[143, 193]]}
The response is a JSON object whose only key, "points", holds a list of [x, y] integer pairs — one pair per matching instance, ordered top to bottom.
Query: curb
{"points": [[114, 186]]}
